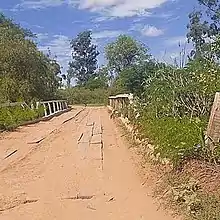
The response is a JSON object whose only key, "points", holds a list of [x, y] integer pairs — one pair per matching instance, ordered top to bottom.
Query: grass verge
{"points": [[174, 138]]}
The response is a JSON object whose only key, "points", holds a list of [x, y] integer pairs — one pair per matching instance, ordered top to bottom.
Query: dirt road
{"points": [[75, 166]]}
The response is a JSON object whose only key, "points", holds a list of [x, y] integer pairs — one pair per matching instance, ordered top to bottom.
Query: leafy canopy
{"points": [[124, 53], [84, 55], [25, 72]]}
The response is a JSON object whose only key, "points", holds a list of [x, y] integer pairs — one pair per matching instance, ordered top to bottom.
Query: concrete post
{"points": [[37, 105], [57, 106], [54, 107], [45, 110], [50, 110], [213, 130]]}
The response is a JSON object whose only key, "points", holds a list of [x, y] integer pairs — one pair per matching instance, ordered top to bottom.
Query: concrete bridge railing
{"points": [[120, 102], [53, 107]]}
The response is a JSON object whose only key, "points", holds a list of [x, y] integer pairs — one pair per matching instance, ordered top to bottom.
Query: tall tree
{"points": [[204, 28], [124, 52], [84, 55], [25, 72], [134, 79]]}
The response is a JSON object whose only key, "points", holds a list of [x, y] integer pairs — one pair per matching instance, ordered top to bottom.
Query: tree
{"points": [[203, 29], [124, 53], [84, 57], [25, 72], [135, 78], [100, 81]]}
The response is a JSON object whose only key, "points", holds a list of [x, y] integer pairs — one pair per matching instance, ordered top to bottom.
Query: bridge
{"points": [[53, 107]]}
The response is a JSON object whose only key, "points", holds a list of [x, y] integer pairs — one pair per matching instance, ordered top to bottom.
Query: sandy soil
{"points": [[77, 169]]}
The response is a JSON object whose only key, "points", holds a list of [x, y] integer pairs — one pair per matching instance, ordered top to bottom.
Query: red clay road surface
{"points": [[75, 166]]}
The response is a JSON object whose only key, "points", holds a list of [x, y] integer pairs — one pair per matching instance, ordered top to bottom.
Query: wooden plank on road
{"points": [[96, 139]]}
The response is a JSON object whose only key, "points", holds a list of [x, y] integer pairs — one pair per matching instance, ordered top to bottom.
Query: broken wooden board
{"points": [[97, 129], [86, 136], [96, 139], [36, 140], [10, 154]]}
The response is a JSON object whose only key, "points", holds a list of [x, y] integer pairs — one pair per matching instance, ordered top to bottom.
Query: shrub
{"points": [[80, 95], [11, 117], [173, 138]]}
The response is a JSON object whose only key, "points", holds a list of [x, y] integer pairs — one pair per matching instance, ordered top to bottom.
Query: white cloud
{"points": [[38, 4], [107, 8], [121, 8], [173, 18], [100, 19], [38, 26], [147, 30], [151, 31], [106, 34], [42, 36], [175, 41], [59, 45]]}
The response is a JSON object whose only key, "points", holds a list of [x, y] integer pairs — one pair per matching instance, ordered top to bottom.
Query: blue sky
{"points": [[160, 24]]}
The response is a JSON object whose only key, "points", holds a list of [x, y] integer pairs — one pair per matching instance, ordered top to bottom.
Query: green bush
{"points": [[80, 95], [175, 107], [11, 117], [175, 139]]}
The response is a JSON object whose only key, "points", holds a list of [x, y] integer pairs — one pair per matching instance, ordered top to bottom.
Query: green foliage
{"points": [[203, 27], [124, 52], [84, 55], [128, 64], [25, 72], [134, 79], [100, 81], [180, 92], [81, 95], [175, 107], [11, 117], [175, 139]]}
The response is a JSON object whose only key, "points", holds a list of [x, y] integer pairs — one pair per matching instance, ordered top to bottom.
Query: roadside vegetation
{"points": [[26, 74], [11, 117]]}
